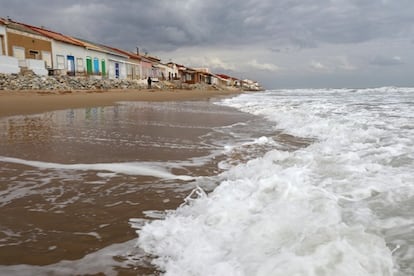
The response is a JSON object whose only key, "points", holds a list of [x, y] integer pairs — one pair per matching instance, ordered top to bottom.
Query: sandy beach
{"points": [[32, 102]]}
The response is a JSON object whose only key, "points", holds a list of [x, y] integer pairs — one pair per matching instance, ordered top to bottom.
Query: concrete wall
{"points": [[3, 41], [64, 49], [9, 65], [37, 66], [122, 72]]}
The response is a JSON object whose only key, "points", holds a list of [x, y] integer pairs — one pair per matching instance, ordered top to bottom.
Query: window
{"points": [[1, 45], [18, 52], [33, 54], [47, 58], [60, 62], [79, 64], [89, 65], [96, 66], [103, 66], [129, 69]]}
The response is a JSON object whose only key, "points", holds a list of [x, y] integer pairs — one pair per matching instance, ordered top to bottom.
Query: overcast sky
{"points": [[282, 44]]}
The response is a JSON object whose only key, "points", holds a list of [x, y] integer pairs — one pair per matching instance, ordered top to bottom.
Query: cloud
{"points": [[306, 38], [386, 61], [214, 63], [343, 63], [263, 66], [318, 66]]}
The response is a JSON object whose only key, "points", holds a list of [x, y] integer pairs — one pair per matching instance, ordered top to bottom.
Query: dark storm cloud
{"points": [[168, 24], [296, 39]]}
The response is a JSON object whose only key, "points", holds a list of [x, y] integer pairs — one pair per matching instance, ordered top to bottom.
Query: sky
{"points": [[281, 44]]}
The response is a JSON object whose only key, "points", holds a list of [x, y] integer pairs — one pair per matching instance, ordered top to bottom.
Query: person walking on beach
{"points": [[149, 82]]}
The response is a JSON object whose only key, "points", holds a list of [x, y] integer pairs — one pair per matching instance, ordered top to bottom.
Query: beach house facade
{"points": [[3, 38], [32, 50], [66, 52], [95, 61], [117, 63], [133, 64], [8, 65]]}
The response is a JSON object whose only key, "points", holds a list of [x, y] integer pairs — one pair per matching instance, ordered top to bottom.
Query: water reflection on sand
{"points": [[57, 204]]}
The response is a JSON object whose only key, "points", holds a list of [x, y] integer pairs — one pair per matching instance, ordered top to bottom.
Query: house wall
{"points": [[3, 41], [30, 43], [61, 51], [96, 55], [9, 65], [36, 65], [116, 68], [133, 69], [146, 69], [165, 72]]}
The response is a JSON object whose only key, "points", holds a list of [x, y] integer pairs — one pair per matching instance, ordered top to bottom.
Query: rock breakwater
{"points": [[31, 81]]}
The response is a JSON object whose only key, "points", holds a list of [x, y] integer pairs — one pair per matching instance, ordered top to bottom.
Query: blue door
{"points": [[71, 65], [96, 66], [117, 70]]}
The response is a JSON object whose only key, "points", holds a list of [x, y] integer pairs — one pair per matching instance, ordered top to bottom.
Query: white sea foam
{"points": [[131, 168], [340, 206], [105, 261]]}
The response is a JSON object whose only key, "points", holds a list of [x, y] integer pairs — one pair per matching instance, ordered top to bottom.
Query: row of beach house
{"points": [[46, 52]]}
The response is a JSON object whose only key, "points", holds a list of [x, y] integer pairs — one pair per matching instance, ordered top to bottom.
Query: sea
{"points": [[279, 182]]}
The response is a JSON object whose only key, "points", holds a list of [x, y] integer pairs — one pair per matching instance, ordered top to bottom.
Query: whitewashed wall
{"points": [[3, 33], [64, 49], [99, 55], [9, 65], [37, 66], [111, 67]]}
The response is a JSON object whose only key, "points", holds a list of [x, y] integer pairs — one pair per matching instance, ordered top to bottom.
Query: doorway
{"points": [[71, 65]]}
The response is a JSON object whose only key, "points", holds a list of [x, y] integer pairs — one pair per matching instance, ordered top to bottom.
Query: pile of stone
{"points": [[30, 81]]}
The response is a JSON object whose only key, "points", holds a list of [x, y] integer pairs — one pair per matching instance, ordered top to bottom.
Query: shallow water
{"points": [[71, 180], [286, 182]]}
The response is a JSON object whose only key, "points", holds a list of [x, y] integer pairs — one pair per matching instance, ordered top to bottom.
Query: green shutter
{"points": [[89, 65], [103, 66]]}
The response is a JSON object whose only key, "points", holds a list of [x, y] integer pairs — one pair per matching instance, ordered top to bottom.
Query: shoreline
{"points": [[13, 103]]}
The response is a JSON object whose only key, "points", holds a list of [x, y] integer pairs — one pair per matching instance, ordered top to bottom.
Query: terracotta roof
{"points": [[20, 27], [56, 36], [92, 46], [112, 51], [129, 54], [223, 76]]}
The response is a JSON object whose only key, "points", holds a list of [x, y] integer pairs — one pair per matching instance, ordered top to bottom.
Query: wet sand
{"points": [[32, 102], [58, 213]]}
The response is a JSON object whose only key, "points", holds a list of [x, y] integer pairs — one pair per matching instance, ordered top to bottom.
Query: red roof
{"points": [[55, 35], [129, 54], [224, 76]]}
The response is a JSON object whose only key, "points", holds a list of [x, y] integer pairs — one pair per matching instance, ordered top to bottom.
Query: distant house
{"points": [[3, 37], [32, 49], [68, 53], [96, 60], [117, 63], [8, 65], [133, 65], [146, 65], [155, 69], [173, 72], [203, 75], [188, 76], [223, 80], [230, 81]]}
